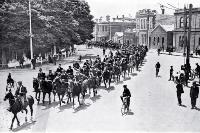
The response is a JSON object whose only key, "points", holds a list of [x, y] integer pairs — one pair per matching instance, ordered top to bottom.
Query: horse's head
{"points": [[8, 87], [8, 95]]}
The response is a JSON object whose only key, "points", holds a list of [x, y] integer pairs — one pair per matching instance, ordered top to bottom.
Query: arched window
{"points": [[181, 22], [158, 40], [154, 41]]}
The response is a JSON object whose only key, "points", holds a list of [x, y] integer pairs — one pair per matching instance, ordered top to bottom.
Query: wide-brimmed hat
{"points": [[19, 82]]}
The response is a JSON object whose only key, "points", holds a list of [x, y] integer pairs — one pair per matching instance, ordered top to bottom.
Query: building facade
{"points": [[142, 26], [106, 29], [178, 34], [162, 37]]}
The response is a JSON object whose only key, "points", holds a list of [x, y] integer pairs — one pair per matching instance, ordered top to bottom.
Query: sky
{"points": [[130, 7]]}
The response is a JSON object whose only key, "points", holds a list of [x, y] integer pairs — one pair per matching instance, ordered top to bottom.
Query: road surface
{"points": [[154, 105]]}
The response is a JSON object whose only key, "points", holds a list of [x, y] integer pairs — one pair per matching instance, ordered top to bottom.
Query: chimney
{"points": [[123, 16], [117, 17], [108, 18], [114, 19]]}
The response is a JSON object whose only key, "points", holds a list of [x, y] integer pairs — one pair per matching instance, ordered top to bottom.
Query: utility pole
{"points": [[148, 10], [185, 27], [110, 30], [31, 35], [189, 36], [188, 44]]}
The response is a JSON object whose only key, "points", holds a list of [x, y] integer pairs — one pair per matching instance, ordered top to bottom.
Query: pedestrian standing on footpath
{"points": [[104, 51], [157, 68], [171, 77], [179, 91], [194, 92]]}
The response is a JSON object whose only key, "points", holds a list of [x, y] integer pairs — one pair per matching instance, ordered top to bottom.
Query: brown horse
{"points": [[60, 87], [76, 90], [16, 106]]}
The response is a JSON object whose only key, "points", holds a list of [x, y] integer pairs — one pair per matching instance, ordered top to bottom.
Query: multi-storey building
{"points": [[142, 26], [106, 29], [178, 34]]}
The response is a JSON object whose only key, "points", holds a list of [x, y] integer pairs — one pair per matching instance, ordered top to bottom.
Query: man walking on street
{"points": [[157, 68], [171, 77], [179, 91], [194, 92]]}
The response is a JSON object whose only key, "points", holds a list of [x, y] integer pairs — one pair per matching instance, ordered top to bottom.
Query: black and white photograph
{"points": [[99, 66]]}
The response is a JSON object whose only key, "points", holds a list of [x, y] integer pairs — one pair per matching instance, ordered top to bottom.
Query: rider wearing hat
{"points": [[41, 75], [21, 93], [127, 94]]}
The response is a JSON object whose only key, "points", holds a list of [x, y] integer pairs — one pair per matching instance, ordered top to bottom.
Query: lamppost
{"points": [[30, 34]]}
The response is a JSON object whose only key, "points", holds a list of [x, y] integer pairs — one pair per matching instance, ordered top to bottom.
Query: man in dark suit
{"points": [[41, 75], [179, 91], [194, 92], [21, 93]]}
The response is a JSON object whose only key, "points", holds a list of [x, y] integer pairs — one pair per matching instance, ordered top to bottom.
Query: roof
{"points": [[166, 28], [119, 34]]}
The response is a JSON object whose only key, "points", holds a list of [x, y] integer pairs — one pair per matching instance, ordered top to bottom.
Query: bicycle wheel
{"points": [[123, 109]]}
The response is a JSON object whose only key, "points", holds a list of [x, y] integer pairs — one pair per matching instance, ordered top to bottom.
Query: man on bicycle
{"points": [[126, 94]]}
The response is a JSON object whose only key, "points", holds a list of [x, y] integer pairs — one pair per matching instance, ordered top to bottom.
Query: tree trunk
{"points": [[3, 58]]}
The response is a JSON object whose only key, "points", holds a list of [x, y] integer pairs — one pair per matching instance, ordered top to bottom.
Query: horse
{"points": [[124, 67], [117, 73], [106, 78], [91, 83], [44, 87], [60, 87], [36, 89], [76, 90], [16, 106]]}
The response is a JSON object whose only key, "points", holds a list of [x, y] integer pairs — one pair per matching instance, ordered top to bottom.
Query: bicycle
{"points": [[124, 108]]}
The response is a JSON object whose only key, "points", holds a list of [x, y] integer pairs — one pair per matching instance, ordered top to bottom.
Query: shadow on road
{"points": [[133, 74], [127, 78], [111, 88], [94, 99], [52, 105], [66, 106], [81, 107], [24, 126]]}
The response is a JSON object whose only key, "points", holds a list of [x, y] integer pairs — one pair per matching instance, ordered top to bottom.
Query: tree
{"points": [[80, 11]]}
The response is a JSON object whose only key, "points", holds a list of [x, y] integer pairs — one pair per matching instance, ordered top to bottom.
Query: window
{"points": [[181, 22], [199, 22], [141, 23], [144, 23], [158, 40], [154, 41], [199, 41]]}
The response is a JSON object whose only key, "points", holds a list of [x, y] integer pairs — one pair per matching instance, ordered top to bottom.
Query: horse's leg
{"points": [[104, 82], [44, 93], [39, 97], [49, 97], [62, 98], [59, 99], [79, 100], [73, 101], [31, 109], [26, 115], [18, 123], [11, 126]]}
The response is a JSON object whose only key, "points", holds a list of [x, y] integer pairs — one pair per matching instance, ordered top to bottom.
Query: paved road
{"points": [[153, 105]]}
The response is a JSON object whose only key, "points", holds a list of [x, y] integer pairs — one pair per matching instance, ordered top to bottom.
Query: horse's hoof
{"points": [[63, 101], [18, 124]]}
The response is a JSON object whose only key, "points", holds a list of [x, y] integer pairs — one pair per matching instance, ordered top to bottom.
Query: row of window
{"points": [[142, 23], [181, 23], [102, 28], [156, 41]]}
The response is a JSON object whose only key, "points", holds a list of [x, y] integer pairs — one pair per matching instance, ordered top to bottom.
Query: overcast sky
{"points": [[130, 7]]}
